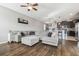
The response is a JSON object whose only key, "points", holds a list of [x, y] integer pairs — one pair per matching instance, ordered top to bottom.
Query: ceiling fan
{"points": [[30, 6]]}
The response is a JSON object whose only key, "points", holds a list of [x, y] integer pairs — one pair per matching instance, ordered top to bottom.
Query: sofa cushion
{"points": [[50, 39]]}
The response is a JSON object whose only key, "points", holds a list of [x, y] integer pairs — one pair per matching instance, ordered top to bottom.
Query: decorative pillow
{"points": [[26, 33], [31, 33], [22, 34], [49, 34]]}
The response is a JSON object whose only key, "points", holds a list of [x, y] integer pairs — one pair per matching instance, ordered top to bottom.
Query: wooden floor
{"points": [[69, 48]]}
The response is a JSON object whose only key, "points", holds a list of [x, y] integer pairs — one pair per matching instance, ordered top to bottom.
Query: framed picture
{"points": [[23, 21]]}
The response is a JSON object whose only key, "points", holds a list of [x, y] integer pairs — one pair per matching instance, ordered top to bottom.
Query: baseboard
{"points": [[3, 42]]}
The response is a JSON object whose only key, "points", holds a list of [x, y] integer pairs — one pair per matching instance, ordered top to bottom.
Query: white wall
{"points": [[8, 21]]}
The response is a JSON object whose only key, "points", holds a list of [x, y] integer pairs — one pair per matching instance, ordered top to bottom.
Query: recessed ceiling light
{"points": [[71, 14], [59, 23]]}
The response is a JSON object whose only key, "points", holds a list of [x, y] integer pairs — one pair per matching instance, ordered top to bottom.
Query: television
{"points": [[23, 21]]}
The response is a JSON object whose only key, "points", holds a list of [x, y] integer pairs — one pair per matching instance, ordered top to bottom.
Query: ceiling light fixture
{"points": [[30, 6]]}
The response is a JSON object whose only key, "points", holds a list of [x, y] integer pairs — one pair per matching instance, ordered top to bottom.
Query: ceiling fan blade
{"points": [[35, 4], [23, 6], [35, 9]]}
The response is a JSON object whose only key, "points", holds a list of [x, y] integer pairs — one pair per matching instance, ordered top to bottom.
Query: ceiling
{"points": [[47, 12]]}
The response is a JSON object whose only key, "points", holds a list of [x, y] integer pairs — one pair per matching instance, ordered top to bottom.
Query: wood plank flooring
{"points": [[69, 48]]}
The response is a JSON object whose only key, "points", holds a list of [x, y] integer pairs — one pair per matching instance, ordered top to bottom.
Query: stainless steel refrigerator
{"points": [[77, 33]]}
